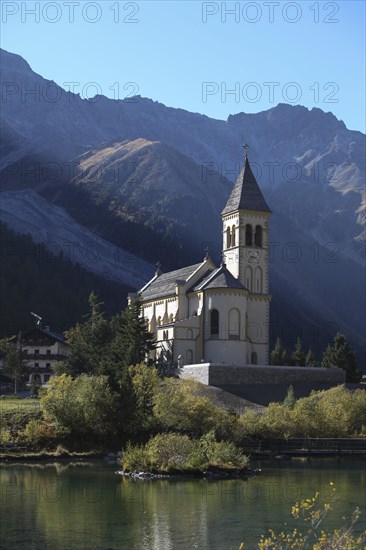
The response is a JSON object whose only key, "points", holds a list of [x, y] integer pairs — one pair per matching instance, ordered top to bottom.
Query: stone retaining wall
{"points": [[214, 374]]}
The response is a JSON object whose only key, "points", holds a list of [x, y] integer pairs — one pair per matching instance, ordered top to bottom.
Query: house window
{"points": [[248, 235], [258, 236], [214, 322], [36, 351], [48, 352], [36, 365], [48, 365]]}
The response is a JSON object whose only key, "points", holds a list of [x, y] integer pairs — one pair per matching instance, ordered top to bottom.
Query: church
{"points": [[208, 314]]}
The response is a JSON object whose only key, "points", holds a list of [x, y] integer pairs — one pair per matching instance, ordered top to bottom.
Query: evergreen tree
{"points": [[89, 341], [130, 344], [278, 355], [298, 356], [342, 356], [310, 359], [14, 365], [290, 399]]}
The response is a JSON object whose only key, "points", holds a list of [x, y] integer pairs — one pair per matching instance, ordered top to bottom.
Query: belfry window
{"points": [[233, 235], [248, 235], [258, 236], [228, 238], [214, 322]]}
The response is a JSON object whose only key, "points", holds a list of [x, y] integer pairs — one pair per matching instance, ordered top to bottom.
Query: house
{"points": [[205, 313], [42, 349]]}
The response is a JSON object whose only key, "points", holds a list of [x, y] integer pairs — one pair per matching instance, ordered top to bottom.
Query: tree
{"points": [[137, 339], [88, 342], [130, 343], [278, 355], [298, 356], [342, 356], [310, 359], [14, 365], [145, 382], [290, 399], [84, 406]]}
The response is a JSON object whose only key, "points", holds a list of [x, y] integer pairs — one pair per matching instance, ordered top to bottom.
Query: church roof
{"points": [[246, 194], [219, 278], [165, 283]]}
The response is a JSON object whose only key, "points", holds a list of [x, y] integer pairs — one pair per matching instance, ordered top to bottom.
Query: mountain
{"points": [[152, 180], [34, 279]]}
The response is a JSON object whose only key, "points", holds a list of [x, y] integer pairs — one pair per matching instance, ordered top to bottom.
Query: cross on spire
{"points": [[245, 147], [158, 270]]}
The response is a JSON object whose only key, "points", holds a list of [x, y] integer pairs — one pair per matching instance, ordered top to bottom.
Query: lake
{"points": [[74, 505]]}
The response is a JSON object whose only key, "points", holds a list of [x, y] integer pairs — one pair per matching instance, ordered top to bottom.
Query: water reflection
{"points": [[84, 505]]}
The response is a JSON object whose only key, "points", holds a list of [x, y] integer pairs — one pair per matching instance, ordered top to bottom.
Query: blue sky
{"points": [[215, 58]]}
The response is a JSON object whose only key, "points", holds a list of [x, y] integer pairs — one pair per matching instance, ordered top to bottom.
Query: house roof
{"points": [[246, 194], [219, 278], [165, 283], [39, 333]]}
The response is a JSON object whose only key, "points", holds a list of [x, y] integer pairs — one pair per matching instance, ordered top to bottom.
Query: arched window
{"points": [[233, 235], [248, 235], [258, 236], [228, 238], [248, 277], [258, 279], [171, 318], [159, 321], [214, 322], [234, 324], [189, 334], [189, 356], [253, 358]]}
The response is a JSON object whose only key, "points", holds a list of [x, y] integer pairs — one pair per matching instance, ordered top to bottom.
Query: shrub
{"points": [[84, 406], [181, 406], [39, 433], [166, 452], [311, 512]]}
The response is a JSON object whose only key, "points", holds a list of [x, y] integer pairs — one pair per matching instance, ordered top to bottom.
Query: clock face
{"points": [[253, 256]]}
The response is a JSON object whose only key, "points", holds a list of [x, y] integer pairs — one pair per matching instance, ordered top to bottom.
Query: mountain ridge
{"points": [[310, 167]]}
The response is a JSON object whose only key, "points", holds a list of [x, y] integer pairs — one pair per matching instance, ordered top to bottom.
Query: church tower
{"points": [[245, 221]]}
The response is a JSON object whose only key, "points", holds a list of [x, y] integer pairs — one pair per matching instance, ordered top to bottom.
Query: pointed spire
{"points": [[246, 194]]}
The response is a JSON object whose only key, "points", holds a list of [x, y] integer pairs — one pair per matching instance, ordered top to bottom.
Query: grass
{"points": [[16, 404]]}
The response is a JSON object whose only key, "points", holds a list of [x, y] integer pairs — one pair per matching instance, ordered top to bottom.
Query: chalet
{"points": [[42, 350]]}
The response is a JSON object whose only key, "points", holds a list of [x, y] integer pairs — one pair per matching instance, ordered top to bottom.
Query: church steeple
{"points": [[246, 194], [245, 231]]}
